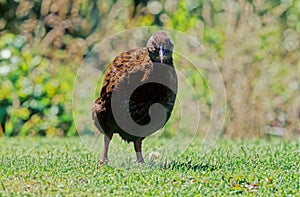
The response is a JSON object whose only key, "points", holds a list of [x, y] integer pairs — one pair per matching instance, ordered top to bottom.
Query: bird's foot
{"points": [[139, 157], [140, 161], [103, 162]]}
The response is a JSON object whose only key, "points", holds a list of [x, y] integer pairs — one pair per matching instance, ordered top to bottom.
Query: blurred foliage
{"points": [[255, 43], [33, 99]]}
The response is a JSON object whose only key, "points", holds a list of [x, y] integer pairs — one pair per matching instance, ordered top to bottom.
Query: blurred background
{"points": [[255, 44]]}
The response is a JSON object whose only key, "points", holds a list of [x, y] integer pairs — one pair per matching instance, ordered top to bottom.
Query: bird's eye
{"points": [[152, 49]]}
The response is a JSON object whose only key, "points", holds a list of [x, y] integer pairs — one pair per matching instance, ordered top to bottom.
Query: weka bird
{"points": [[140, 67]]}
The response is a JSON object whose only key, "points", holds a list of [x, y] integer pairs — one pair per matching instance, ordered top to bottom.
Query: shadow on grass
{"points": [[176, 165]]}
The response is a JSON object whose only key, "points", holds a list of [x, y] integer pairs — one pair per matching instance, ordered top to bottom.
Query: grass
{"points": [[64, 166]]}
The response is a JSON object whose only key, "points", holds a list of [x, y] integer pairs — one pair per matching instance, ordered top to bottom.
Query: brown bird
{"points": [[136, 81]]}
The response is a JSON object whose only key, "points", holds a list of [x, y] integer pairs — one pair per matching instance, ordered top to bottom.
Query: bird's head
{"points": [[160, 47]]}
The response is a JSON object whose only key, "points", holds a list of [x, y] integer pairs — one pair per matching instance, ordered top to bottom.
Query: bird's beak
{"points": [[161, 54]]}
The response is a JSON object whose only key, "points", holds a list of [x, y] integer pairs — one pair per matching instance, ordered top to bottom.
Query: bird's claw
{"points": [[140, 161], [103, 162]]}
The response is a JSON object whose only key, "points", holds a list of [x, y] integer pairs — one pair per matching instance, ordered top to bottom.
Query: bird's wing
{"points": [[123, 65]]}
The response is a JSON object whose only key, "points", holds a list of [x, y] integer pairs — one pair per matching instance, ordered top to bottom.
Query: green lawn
{"points": [[64, 166]]}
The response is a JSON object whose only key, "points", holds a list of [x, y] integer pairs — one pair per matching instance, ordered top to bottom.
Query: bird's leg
{"points": [[96, 135], [107, 138], [138, 150]]}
